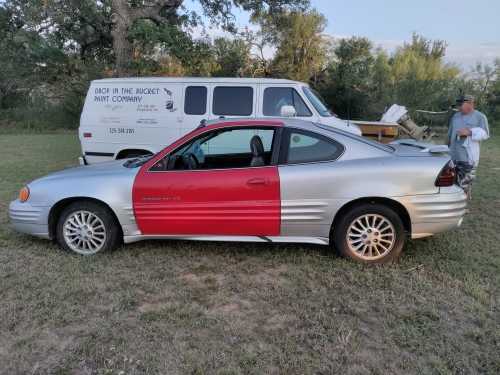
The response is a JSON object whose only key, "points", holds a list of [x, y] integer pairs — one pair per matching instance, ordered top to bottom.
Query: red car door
{"points": [[232, 201]]}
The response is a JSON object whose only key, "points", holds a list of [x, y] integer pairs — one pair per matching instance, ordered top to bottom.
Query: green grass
{"points": [[174, 307]]}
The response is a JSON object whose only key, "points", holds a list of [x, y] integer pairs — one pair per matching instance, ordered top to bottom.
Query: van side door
{"points": [[233, 100]]}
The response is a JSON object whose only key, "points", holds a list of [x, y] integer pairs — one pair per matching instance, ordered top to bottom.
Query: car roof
{"points": [[199, 80], [267, 121], [296, 123]]}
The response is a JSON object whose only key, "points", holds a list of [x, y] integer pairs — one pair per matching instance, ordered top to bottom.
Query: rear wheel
{"points": [[87, 228], [370, 233]]}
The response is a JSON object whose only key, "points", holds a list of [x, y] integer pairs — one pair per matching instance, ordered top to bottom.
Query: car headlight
{"points": [[24, 194]]}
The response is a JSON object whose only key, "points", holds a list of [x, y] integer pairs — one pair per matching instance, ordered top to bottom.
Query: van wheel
{"points": [[132, 154], [87, 228], [370, 233]]}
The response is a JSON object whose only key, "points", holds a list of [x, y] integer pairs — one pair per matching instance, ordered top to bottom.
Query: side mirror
{"points": [[288, 111]]}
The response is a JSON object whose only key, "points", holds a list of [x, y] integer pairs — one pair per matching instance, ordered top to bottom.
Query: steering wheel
{"points": [[190, 161]]}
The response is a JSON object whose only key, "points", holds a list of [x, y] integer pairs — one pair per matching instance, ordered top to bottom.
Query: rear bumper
{"points": [[436, 213], [27, 219]]}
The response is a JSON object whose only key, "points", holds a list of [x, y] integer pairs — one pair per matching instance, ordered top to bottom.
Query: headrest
{"points": [[256, 146]]}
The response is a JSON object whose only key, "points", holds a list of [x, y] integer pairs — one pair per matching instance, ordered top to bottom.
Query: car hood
{"points": [[111, 168]]}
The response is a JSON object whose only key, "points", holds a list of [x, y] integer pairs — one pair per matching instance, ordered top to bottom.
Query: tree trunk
{"points": [[124, 16], [122, 47]]}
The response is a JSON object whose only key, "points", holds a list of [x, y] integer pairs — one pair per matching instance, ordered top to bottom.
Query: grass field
{"points": [[175, 307]]}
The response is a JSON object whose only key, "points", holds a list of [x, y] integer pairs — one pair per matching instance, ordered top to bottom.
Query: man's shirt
{"points": [[466, 149]]}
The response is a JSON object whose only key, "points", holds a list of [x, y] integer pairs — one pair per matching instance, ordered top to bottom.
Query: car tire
{"points": [[87, 228], [369, 233]]}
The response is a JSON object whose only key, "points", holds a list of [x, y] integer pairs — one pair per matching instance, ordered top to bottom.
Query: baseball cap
{"points": [[466, 98]]}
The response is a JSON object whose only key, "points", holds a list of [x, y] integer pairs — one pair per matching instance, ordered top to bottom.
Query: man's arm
{"points": [[482, 132]]}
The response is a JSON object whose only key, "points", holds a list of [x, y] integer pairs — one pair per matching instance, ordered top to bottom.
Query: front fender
{"points": [[113, 189]]}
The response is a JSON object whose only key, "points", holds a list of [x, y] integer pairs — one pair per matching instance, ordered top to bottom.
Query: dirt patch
{"points": [[271, 277], [208, 280]]}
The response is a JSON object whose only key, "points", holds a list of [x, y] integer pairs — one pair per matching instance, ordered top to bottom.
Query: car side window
{"points": [[277, 97], [195, 100], [233, 101], [307, 147], [223, 149]]}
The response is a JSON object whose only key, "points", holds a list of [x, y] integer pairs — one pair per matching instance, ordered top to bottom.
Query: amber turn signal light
{"points": [[24, 194]]}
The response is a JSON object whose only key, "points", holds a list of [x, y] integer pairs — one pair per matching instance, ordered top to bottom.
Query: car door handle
{"points": [[257, 181]]}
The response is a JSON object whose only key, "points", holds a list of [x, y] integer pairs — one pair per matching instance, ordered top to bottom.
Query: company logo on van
{"points": [[117, 96], [169, 105]]}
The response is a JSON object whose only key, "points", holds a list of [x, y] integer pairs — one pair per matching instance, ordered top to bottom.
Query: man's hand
{"points": [[465, 132]]}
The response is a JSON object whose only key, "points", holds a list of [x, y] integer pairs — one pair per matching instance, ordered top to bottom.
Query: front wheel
{"points": [[87, 228], [370, 233]]}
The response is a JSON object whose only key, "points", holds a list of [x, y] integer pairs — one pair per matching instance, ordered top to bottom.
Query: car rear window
{"points": [[195, 100], [233, 101], [307, 147]]}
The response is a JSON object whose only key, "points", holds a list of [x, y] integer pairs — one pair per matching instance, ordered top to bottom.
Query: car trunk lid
{"points": [[409, 147]]}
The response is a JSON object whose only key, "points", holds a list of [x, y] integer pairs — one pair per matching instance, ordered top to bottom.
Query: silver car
{"points": [[253, 180]]}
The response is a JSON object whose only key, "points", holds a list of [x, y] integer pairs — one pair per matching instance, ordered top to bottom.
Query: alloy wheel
{"points": [[84, 232], [371, 236]]}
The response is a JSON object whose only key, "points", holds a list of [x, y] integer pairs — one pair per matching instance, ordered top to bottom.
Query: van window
{"points": [[277, 97], [195, 100], [233, 101], [306, 147]]}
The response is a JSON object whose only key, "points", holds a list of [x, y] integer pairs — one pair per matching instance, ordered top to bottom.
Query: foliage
{"points": [[301, 48], [51, 49], [232, 57], [26, 60], [420, 78], [348, 79], [361, 83]]}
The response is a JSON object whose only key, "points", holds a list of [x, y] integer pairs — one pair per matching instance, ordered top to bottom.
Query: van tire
{"points": [[126, 154]]}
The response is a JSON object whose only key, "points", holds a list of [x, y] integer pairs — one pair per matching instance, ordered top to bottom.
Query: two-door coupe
{"points": [[252, 180]]}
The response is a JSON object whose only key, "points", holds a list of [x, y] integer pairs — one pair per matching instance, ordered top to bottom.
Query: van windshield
{"points": [[317, 101]]}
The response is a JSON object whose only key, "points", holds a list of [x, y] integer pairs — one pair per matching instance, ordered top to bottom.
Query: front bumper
{"points": [[436, 213], [28, 219]]}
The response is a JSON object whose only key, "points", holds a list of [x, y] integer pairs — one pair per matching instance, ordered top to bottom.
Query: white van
{"points": [[126, 117]]}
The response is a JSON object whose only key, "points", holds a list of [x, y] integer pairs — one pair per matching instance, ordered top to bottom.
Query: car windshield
{"points": [[317, 102], [137, 162]]}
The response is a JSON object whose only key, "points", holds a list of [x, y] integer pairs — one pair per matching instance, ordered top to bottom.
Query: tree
{"points": [[164, 12], [81, 27], [102, 29], [301, 48], [232, 57], [26, 58], [420, 78], [348, 82]]}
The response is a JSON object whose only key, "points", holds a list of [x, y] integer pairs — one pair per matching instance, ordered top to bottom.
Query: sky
{"points": [[471, 27]]}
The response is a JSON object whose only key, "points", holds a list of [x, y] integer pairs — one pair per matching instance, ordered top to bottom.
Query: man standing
{"points": [[467, 129]]}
